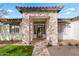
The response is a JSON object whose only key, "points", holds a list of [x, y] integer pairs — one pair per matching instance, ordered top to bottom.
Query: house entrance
{"points": [[39, 30]]}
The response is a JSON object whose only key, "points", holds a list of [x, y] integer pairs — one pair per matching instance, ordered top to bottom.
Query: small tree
{"points": [[3, 12]]}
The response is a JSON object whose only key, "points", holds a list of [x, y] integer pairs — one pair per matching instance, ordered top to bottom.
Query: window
{"points": [[68, 26], [0, 28], [14, 28], [35, 28], [39, 28]]}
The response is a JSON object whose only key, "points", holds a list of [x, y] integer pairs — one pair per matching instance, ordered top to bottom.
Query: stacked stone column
{"points": [[25, 29], [52, 29], [31, 30]]}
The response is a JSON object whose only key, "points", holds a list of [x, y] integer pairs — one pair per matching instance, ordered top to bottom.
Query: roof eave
{"points": [[20, 9]]}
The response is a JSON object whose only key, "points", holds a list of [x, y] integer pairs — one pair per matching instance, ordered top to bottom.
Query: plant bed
{"points": [[9, 41], [70, 44], [76, 44], [49, 45], [16, 50]]}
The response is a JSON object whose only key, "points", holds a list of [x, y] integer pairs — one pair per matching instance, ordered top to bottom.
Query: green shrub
{"points": [[60, 44], [70, 44], [76, 44]]}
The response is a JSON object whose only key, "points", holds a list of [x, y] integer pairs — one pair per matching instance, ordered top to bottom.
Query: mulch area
{"points": [[10, 41], [34, 41], [69, 42]]}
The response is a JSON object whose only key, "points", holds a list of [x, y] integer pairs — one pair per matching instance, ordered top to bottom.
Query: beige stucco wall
{"points": [[75, 28], [70, 31], [66, 32]]}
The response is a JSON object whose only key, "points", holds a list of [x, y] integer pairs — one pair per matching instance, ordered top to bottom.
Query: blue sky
{"points": [[70, 9]]}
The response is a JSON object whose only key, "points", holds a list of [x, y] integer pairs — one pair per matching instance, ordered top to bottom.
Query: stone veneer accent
{"points": [[51, 31], [4, 32], [6, 35]]}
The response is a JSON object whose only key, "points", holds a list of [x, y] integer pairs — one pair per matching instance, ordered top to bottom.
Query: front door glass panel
{"points": [[39, 30]]}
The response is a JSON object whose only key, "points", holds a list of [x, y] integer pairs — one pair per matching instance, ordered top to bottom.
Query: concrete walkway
{"points": [[40, 49], [64, 51]]}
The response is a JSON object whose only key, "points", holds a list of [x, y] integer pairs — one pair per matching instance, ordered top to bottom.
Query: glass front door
{"points": [[39, 30]]}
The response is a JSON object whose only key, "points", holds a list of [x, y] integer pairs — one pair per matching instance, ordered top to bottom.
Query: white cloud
{"points": [[71, 9], [10, 11], [68, 12], [6, 16]]}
